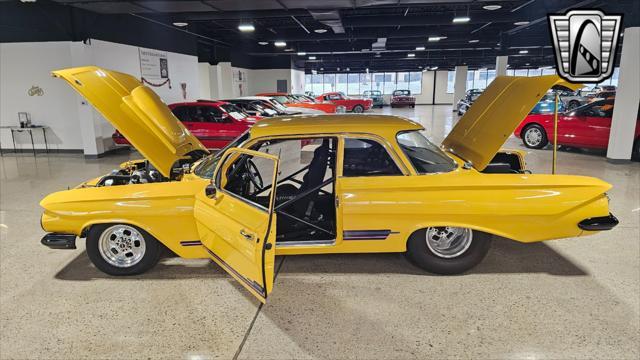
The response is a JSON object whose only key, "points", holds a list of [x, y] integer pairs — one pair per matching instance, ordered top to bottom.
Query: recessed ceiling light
{"points": [[492, 7], [461, 19], [520, 23], [181, 24], [246, 27], [320, 31], [435, 38], [474, 41], [263, 43], [280, 43], [419, 48], [289, 49], [523, 52], [301, 53], [378, 55], [411, 55], [312, 57], [527, 64], [321, 68], [433, 68], [347, 69]]}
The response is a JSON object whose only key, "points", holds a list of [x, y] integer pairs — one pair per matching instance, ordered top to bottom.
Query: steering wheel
{"points": [[254, 174]]}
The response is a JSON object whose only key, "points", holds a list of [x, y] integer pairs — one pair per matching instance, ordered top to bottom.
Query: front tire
{"points": [[358, 109], [534, 137], [121, 249], [447, 250]]}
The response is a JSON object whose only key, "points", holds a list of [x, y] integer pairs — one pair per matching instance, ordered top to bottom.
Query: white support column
{"points": [[501, 65], [459, 85], [625, 112]]}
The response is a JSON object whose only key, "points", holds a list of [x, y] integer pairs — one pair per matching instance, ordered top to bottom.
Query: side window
{"points": [[335, 97], [182, 113], [196, 114], [211, 114], [365, 157], [248, 177]]}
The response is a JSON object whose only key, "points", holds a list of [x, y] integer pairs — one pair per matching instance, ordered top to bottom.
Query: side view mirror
{"points": [[211, 191]]}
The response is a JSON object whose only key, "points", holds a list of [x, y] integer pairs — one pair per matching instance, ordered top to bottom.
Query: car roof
{"points": [[272, 94], [255, 98], [199, 102], [386, 126]]}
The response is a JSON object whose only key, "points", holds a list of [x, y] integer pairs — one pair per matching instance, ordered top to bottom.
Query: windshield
{"points": [[372, 93], [401, 93], [282, 98], [278, 105], [234, 111], [424, 155], [208, 165]]}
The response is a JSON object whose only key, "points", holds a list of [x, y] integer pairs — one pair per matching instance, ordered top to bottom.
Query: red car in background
{"points": [[402, 98], [350, 104], [214, 123], [587, 126]]}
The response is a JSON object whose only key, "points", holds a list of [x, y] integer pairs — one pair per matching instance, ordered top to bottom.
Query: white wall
{"points": [[23, 65], [265, 80], [297, 81], [441, 95], [74, 124]]}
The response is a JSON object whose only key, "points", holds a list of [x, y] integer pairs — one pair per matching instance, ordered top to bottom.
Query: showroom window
{"points": [[451, 79], [356, 83]]}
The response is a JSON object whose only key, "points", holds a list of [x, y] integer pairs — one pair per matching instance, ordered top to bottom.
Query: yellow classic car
{"points": [[316, 184]]}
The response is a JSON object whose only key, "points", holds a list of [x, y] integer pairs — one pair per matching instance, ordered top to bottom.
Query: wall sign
{"points": [[154, 64]]}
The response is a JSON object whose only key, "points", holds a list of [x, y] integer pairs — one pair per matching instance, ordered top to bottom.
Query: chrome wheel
{"points": [[358, 109], [533, 136], [448, 242], [121, 246]]}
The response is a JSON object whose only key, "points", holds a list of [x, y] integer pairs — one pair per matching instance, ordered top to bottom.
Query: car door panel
{"points": [[238, 233]]}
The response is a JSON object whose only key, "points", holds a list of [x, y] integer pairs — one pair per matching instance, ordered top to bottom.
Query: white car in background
{"points": [[289, 110]]}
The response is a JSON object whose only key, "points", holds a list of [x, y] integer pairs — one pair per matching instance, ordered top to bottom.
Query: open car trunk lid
{"points": [[136, 112], [495, 114]]}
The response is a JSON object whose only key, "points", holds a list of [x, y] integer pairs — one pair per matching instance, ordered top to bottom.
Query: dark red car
{"points": [[402, 98], [350, 104], [214, 123], [587, 126]]}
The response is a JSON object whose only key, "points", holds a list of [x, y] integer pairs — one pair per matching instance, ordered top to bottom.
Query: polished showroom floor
{"points": [[573, 298]]}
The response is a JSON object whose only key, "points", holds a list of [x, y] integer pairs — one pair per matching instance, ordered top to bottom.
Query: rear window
{"points": [[401, 93], [425, 157]]}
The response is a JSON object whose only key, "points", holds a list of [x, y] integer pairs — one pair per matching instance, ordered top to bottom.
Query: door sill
{"points": [[287, 244]]}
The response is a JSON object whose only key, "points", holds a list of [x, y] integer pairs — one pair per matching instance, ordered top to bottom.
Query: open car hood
{"points": [[136, 112], [495, 114]]}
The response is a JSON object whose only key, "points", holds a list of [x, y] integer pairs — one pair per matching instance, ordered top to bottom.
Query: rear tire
{"points": [[358, 109], [534, 136], [122, 249], [456, 259]]}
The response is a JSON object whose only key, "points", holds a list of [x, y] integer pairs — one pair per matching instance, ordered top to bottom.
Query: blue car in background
{"points": [[376, 96], [547, 105]]}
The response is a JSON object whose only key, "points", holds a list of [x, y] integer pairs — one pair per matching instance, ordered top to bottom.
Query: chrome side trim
{"points": [[287, 244]]}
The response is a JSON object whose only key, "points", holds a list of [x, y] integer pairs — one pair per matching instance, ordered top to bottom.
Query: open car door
{"points": [[236, 221]]}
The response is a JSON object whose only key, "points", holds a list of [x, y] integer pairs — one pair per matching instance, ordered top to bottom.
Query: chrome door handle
{"points": [[246, 235]]}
